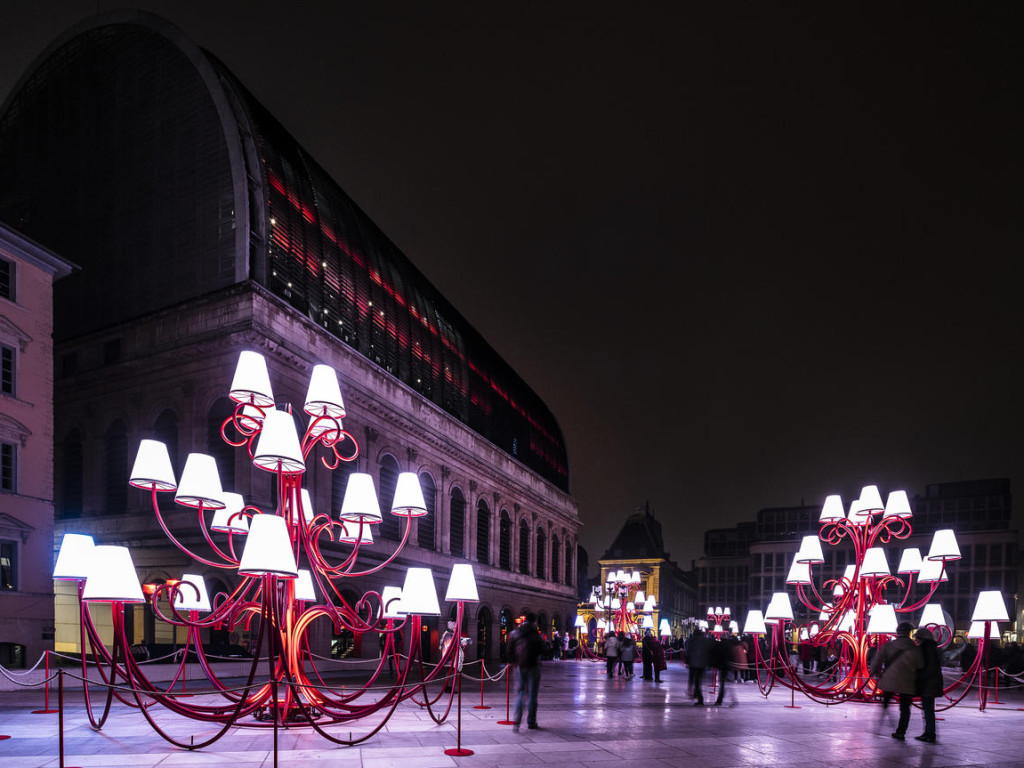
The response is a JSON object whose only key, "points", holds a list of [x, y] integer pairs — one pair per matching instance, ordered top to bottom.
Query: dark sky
{"points": [[749, 255]]}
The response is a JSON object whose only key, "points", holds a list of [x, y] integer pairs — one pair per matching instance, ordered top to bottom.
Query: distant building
{"points": [[27, 273], [639, 546], [745, 565]]}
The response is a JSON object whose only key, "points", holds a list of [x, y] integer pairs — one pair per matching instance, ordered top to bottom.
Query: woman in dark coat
{"points": [[929, 681]]}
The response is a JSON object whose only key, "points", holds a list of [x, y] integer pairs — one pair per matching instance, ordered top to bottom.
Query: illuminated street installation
{"points": [[287, 582], [623, 605], [864, 605]]}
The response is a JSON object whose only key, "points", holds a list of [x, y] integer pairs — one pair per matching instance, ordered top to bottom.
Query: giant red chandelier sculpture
{"points": [[273, 590], [623, 604]]}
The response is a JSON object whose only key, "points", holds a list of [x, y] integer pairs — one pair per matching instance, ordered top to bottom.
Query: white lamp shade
{"points": [[251, 383], [323, 398], [251, 417], [329, 428], [277, 447], [152, 467], [200, 483], [408, 496], [871, 499], [306, 501], [360, 502], [898, 505], [832, 511], [859, 514], [229, 519], [351, 532], [944, 546], [268, 549], [810, 551], [74, 557], [910, 561], [874, 563], [932, 571], [799, 573], [112, 577], [634, 577], [462, 585], [304, 587], [418, 593], [192, 596], [639, 598], [391, 600], [652, 600], [607, 601], [616, 604], [649, 605], [631, 606], [780, 607], [990, 607], [718, 610], [932, 615], [882, 620], [579, 621], [849, 622], [648, 623], [702, 624], [754, 625], [664, 629], [977, 630]]}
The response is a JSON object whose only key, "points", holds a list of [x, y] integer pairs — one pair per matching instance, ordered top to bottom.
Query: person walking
{"points": [[525, 647], [611, 652], [627, 654], [647, 654], [698, 656], [898, 661], [929, 681]]}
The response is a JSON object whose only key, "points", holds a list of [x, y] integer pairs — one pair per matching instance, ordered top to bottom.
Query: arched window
{"points": [[165, 429], [222, 453], [115, 457], [71, 479], [457, 523], [389, 524], [427, 525], [483, 532], [542, 540], [505, 542], [524, 547], [568, 563], [555, 575], [506, 623], [542, 625]]}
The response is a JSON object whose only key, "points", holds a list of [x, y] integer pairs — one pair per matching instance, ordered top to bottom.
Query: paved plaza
{"points": [[587, 720]]}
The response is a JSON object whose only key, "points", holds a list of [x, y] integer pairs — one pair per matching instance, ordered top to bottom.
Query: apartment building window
{"points": [[7, 280], [7, 379], [8, 468], [8, 566]]}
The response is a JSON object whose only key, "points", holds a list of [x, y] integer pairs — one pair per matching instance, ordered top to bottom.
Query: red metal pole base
{"points": [[458, 752]]}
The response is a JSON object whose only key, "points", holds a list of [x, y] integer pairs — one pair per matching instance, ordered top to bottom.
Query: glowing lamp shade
{"points": [[251, 383], [323, 398], [251, 417], [326, 427], [277, 448], [152, 468], [200, 483], [408, 496], [871, 499], [306, 502], [360, 503], [898, 505], [832, 511], [229, 519], [351, 532], [944, 546], [268, 549], [810, 551], [74, 557], [910, 561], [874, 563], [932, 571], [799, 573], [112, 577], [634, 577], [462, 585], [304, 587], [418, 593], [191, 594], [639, 598], [391, 600], [652, 600], [607, 601], [616, 604], [649, 605], [631, 606], [990, 607], [779, 608], [932, 616], [882, 620], [579, 621], [647, 623], [754, 625], [664, 629], [977, 630]]}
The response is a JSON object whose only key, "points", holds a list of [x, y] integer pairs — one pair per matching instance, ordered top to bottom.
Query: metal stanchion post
{"points": [[508, 678], [46, 695], [481, 705], [458, 751]]}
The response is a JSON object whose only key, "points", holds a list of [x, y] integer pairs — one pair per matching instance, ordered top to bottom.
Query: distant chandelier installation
{"points": [[286, 581], [622, 604], [864, 604]]}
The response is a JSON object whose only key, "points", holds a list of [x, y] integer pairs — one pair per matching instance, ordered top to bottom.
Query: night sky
{"points": [[748, 255]]}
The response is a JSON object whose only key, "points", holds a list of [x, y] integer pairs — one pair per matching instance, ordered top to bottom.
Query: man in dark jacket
{"points": [[525, 647], [698, 655], [898, 660], [929, 681]]}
